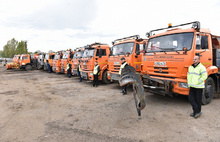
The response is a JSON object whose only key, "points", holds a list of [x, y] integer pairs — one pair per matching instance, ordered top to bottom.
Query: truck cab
{"points": [[131, 49], [95, 52], [169, 55], [67, 56], [49, 57], [75, 60], [28, 62], [57, 62]]}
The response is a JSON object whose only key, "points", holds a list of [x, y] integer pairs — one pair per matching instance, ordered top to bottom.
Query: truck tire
{"points": [[28, 67], [105, 78], [208, 91]]}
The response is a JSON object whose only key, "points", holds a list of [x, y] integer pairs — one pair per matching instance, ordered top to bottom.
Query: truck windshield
{"points": [[173, 42], [122, 49], [88, 53], [78, 54], [47, 56], [57, 56], [65, 56]]}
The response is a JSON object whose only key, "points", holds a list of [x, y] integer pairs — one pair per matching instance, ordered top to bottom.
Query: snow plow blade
{"points": [[129, 76]]}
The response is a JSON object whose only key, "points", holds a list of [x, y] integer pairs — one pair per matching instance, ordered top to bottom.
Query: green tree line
{"points": [[13, 47]]}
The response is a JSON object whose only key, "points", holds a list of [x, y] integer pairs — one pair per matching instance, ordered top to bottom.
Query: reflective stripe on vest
{"points": [[122, 66], [95, 70]]}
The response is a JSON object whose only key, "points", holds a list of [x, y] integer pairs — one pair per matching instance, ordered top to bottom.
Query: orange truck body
{"points": [[131, 49], [95, 52], [169, 55], [67, 56], [49, 57], [75, 61], [28, 62], [57, 62], [15, 63]]}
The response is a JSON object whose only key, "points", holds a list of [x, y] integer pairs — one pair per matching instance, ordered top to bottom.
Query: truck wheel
{"points": [[28, 67], [105, 78], [208, 91]]}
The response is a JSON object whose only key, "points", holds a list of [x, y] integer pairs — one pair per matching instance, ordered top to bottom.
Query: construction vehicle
{"points": [[131, 49], [95, 52], [169, 55], [67, 56], [49, 57], [40, 61], [75, 61], [28, 62], [57, 62], [15, 63]]}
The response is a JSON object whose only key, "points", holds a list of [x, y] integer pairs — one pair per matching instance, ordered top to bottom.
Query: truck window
{"points": [[201, 42], [97, 52], [103, 52]]}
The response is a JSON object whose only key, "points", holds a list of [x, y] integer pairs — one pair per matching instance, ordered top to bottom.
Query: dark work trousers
{"points": [[48, 68], [69, 73], [80, 78], [95, 80], [124, 89], [195, 98]]}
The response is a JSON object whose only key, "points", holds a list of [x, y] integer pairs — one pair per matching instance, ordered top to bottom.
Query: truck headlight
{"points": [[91, 73], [108, 74], [183, 85]]}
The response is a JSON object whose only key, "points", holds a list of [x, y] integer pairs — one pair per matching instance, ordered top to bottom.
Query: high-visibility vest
{"points": [[68, 66], [122, 66], [80, 67], [95, 70], [196, 76]]}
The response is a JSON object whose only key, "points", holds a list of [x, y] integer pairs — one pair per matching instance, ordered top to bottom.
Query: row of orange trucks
{"points": [[162, 60]]}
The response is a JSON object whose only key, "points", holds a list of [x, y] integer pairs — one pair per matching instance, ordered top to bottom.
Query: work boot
{"points": [[192, 114], [197, 115]]}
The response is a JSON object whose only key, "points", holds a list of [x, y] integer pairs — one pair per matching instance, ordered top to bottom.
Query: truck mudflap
{"points": [[129, 76], [165, 87]]}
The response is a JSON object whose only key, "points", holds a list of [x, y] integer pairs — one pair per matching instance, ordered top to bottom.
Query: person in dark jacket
{"points": [[123, 64], [48, 67], [68, 68], [79, 72], [96, 73]]}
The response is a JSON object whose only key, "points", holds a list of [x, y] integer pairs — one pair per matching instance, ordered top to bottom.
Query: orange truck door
{"points": [[204, 49]]}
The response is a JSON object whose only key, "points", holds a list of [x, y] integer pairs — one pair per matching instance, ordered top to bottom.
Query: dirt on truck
{"points": [[169, 55]]}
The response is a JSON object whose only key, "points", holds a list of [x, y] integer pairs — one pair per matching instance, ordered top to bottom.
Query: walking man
{"points": [[123, 64], [79, 72], [96, 73], [197, 74]]}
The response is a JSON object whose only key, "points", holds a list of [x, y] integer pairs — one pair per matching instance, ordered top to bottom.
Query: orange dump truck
{"points": [[131, 49], [95, 52], [169, 55], [67, 56], [49, 57], [75, 60], [28, 62], [57, 62], [15, 63]]}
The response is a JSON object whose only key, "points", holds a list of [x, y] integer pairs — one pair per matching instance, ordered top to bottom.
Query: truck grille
{"points": [[85, 66], [117, 67], [161, 70]]}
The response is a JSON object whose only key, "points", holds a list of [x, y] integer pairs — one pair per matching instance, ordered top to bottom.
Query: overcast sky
{"points": [[63, 24]]}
